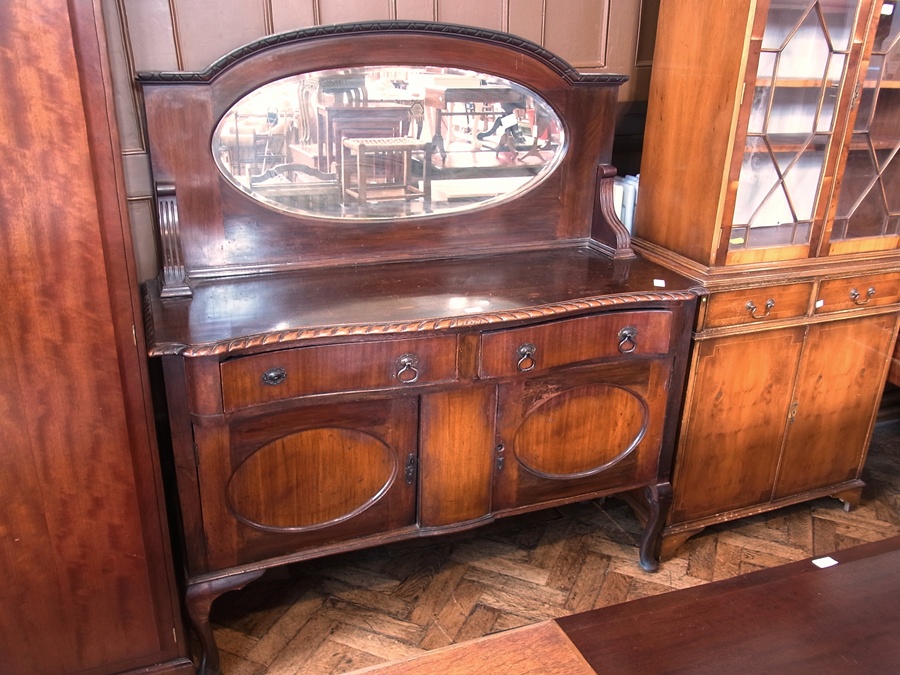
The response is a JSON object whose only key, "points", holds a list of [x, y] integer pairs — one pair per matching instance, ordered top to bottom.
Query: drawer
{"points": [[870, 290], [755, 305], [572, 341], [358, 366]]}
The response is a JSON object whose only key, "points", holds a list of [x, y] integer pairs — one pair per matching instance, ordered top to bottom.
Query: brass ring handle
{"points": [[854, 296], [751, 307], [627, 337], [526, 360], [408, 371], [274, 376]]}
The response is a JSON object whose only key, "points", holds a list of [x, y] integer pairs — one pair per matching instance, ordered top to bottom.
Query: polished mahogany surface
{"points": [[231, 314], [789, 619]]}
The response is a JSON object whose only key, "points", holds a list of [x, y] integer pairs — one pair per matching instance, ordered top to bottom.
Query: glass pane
{"points": [[838, 17], [783, 18], [888, 26], [806, 53], [830, 92], [759, 109], [794, 110], [886, 119], [859, 175], [890, 176], [758, 177], [802, 182], [776, 210], [870, 216], [893, 228], [839, 229], [783, 235], [738, 237]]}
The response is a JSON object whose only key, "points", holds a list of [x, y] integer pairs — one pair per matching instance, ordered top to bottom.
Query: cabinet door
{"points": [[794, 106], [867, 215], [839, 386], [739, 398], [579, 432], [282, 482]]}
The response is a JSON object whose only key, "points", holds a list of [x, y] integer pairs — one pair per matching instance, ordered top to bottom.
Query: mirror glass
{"points": [[387, 141]]}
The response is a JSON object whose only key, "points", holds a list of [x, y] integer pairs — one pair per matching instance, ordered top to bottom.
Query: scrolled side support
{"points": [[173, 281]]}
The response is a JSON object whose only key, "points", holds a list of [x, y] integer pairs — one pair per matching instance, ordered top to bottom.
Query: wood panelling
{"points": [[343, 11], [580, 30]]}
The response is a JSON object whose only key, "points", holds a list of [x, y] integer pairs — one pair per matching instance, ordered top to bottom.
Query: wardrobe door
{"points": [[88, 584]]}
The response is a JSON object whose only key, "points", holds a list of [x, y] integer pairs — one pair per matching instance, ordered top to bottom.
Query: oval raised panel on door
{"points": [[580, 432], [311, 479]]}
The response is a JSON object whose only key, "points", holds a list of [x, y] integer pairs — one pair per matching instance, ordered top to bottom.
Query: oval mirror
{"points": [[387, 142]]}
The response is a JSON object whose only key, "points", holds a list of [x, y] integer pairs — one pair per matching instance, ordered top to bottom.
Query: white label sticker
{"points": [[659, 283], [820, 303], [827, 561]]}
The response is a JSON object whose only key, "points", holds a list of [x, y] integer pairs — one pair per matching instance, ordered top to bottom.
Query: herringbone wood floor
{"points": [[355, 610]]}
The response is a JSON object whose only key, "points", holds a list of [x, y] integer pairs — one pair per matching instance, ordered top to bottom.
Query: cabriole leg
{"points": [[198, 599]]}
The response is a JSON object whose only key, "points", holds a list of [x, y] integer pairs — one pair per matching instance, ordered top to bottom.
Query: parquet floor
{"points": [[355, 610]]}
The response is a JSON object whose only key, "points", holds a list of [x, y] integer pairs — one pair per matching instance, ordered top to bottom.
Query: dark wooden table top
{"points": [[796, 618]]}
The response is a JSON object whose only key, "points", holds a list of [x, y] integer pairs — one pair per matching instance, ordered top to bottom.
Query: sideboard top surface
{"points": [[243, 313]]}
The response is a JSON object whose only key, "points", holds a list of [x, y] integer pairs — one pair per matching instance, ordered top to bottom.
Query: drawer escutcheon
{"points": [[274, 376]]}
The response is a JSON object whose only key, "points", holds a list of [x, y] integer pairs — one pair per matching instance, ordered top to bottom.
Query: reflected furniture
{"points": [[441, 101], [371, 120], [391, 158], [775, 188], [342, 382]]}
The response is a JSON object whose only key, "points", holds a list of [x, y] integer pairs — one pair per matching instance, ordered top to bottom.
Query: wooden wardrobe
{"points": [[84, 553]]}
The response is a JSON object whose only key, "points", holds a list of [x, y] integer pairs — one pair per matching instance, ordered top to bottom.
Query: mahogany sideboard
{"points": [[340, 375]]}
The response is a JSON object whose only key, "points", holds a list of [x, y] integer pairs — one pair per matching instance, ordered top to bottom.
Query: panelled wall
{"points": [[593, 35]]}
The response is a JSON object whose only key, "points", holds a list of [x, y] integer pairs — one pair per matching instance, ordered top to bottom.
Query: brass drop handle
{"points": [[854, 296], [751, 307], [627, 343], [526, 360], [408, 371], [274, 376]]}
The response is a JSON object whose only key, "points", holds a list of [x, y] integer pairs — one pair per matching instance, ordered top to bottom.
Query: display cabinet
{"points": [[766, 177], [349, 367]]}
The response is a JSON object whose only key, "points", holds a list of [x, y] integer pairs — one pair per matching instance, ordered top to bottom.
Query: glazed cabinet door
{"points": [[795, 109], [867, 208], [838, 390], [738, 404], [308, 476]]}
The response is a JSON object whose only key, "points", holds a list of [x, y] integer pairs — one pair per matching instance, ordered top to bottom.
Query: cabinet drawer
{"points": [[871, 290], [754, 305], [537, 348], [337, 368]]}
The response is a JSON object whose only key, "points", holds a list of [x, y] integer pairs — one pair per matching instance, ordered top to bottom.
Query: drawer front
{"points": [[836, 295], [757, 305], [572, 341], [307, 371]]}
